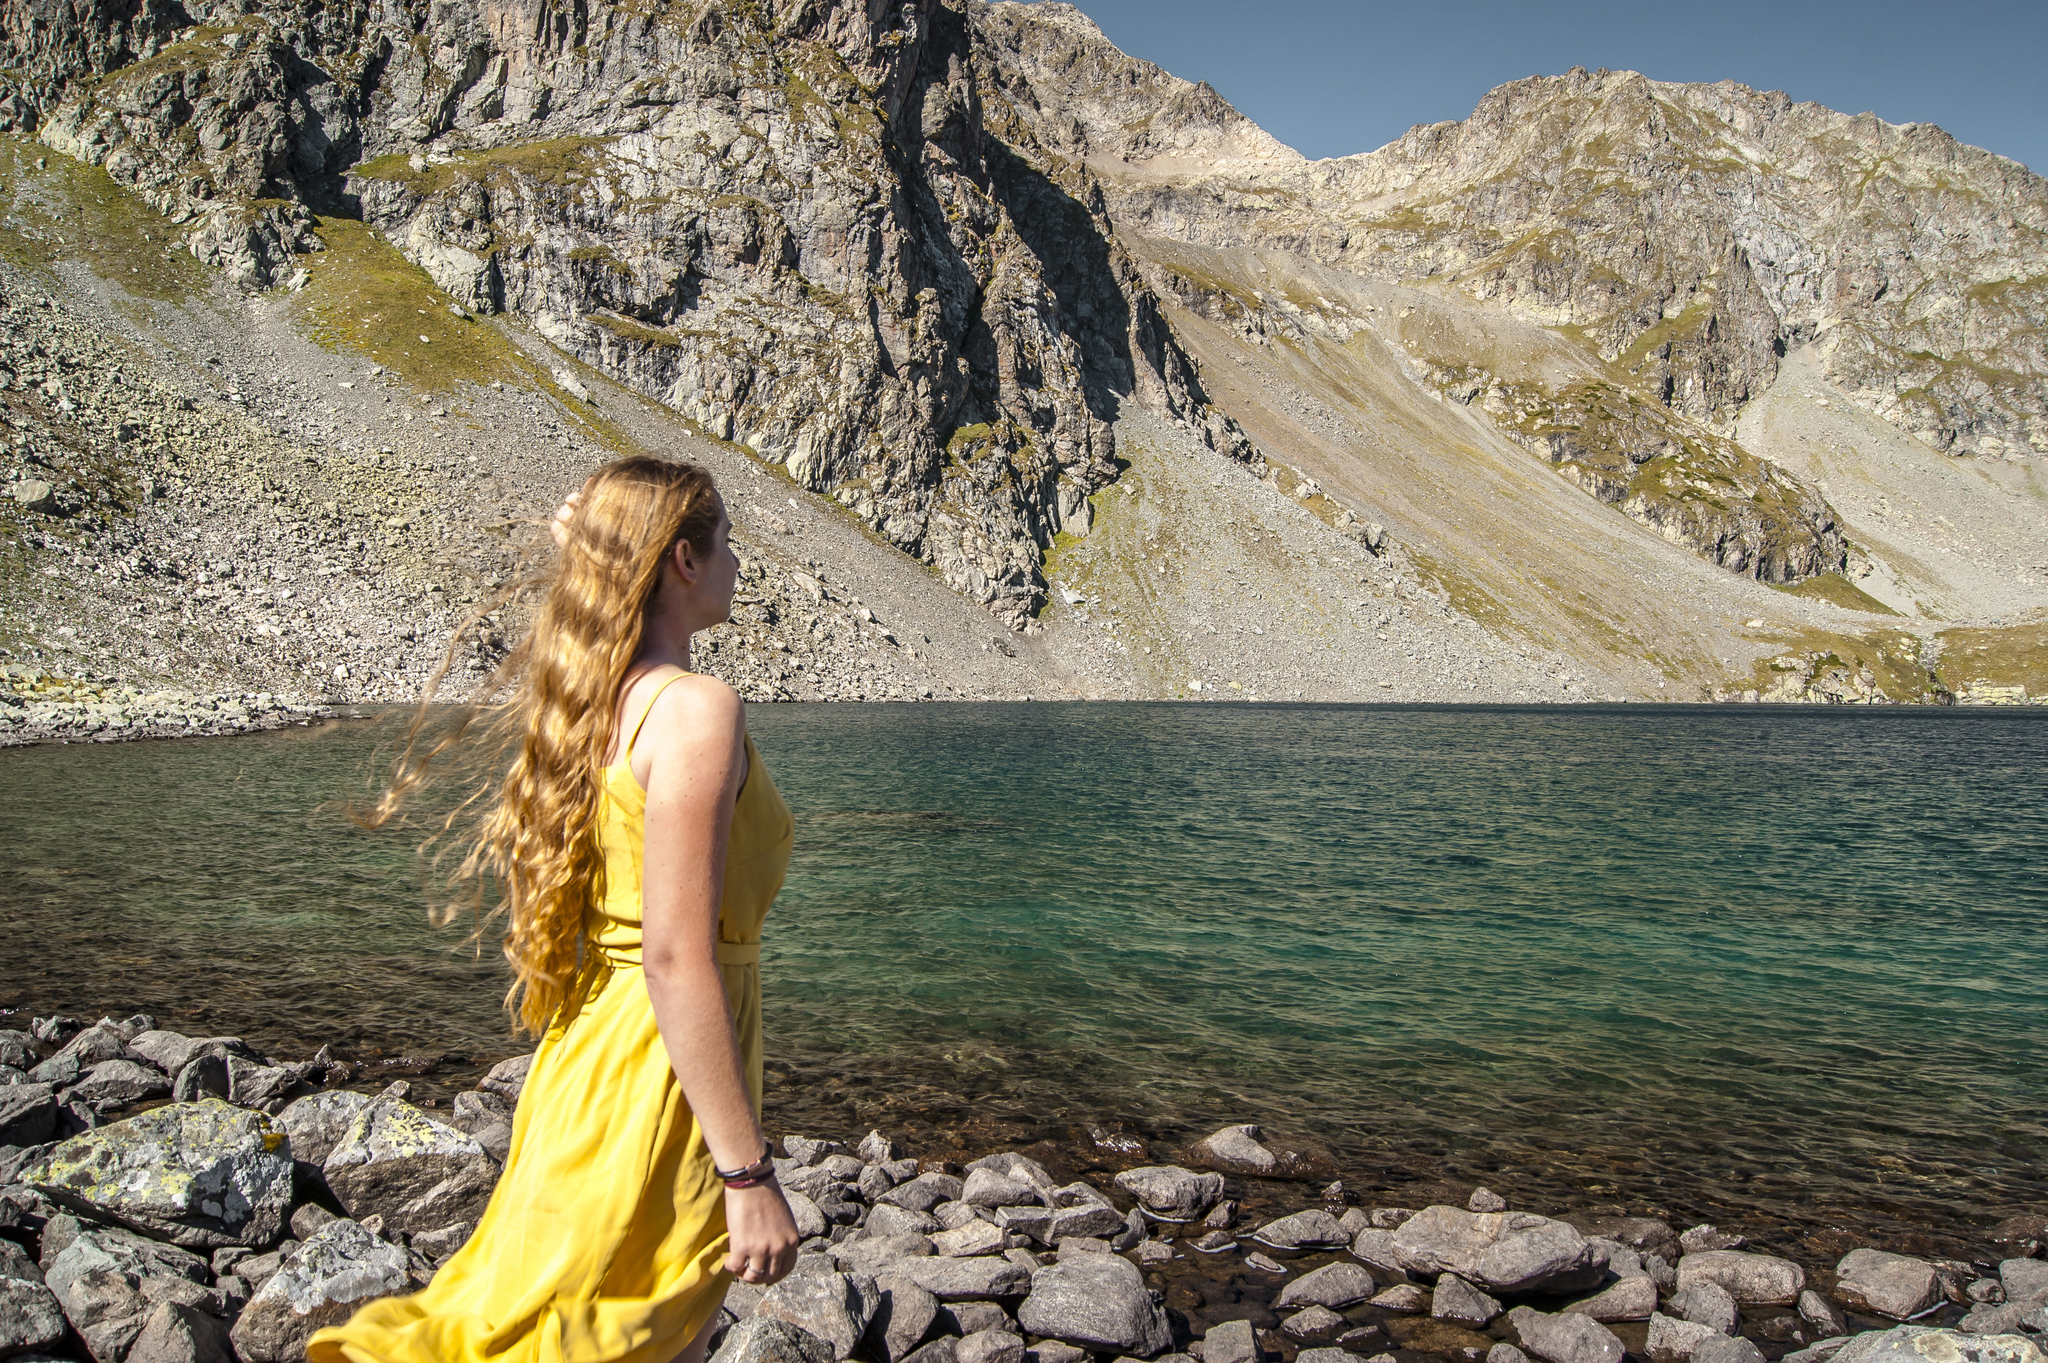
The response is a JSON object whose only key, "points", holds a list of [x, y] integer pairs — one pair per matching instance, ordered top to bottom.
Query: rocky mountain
{"points": [[964, 269]]}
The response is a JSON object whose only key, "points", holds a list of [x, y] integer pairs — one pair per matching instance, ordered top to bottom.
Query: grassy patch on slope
{"points": [[80, 213], [1836, 590]]}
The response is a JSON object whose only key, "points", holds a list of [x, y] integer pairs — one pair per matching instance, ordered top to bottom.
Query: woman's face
{"points": [[721, 568]]}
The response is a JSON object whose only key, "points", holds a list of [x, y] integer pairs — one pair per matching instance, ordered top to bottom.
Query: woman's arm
{"points": [[697, 744]]}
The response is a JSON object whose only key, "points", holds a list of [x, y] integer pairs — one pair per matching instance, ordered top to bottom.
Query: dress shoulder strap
{"points": [[635, 738]]}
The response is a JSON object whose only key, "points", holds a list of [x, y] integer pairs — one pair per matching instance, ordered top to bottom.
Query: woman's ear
{"points": [[684, 560]]}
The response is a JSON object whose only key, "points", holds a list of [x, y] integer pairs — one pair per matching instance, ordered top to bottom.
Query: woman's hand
{"points": [[558, 524], [762, 1233]]}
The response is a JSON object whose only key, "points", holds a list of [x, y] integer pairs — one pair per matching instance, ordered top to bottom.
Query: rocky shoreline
{"points": [[175, 1199]]}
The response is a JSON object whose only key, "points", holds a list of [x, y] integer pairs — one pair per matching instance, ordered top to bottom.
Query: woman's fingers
{"points": [[558, 524]]}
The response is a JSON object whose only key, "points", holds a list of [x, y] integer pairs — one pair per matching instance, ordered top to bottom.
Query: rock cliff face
{"points": [[804, 226], [1688, 235]]}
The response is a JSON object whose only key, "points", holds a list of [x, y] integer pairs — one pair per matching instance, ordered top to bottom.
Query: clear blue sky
{"points": [[1330, 78]]}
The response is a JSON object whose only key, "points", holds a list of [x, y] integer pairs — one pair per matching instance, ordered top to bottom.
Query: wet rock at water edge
{"points": [[204, 1076], [507, 1079], [1235, 1150], [417, 1173], [200, 1174], [1171, 1193], [1486, 1200], [1312, 1229], [1703, 1238], [1515, 1252], [1752, 1279], [2023, 1279], [320, 1283], [1887, 1284], [1333, 1285], [1630, 1296], [1404, 1298], [1098, 1302], [1461, 1303], [1707, 1303], [834, 1306], [1822, 1316], [31, 1319], [1311, 1322], [1565, 1338], [765, 1339], [1673, 1339], [1234, 1341], [1924, 1344], [1726, 1349]]}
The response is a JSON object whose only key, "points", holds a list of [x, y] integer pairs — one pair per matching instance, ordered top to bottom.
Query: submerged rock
{"points": [[1235, 1150], [200, 1174], [1887, 1284]]}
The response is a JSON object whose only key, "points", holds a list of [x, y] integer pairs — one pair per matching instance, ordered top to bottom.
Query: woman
{"points": [[638, 842]]}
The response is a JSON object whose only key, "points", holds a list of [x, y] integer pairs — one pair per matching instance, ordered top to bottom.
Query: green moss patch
{"points": [[1837, 590]]}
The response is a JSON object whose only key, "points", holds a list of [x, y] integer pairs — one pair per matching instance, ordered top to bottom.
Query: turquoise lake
{"points": [[1773, 967]]}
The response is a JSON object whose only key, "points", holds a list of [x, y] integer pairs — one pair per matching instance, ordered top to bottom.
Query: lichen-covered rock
{"points": [[317, 1123], [199, 1174], [418, 1174], [110, 1281], [320, 1283], [1923, 1344]]}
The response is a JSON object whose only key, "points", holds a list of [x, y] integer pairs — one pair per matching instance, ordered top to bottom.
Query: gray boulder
{"points": [[95, 1045], [17, 1049], [168, 1051], [205, 1076], [507, 1078], [118, 1083], [259, 1086], [28, 1113], [317, 1122], [1235, 1150], [1024, 1169], [417, 1173], [200, 1174], [987, 1188], [1168, 1192], [923, 1193], [887, 1219], [809, 1220], [1089, 1220], [1034, 1223], [1312, 1229], [1643, 1234], [976, 1237], [1376, 1247], [1504, 1251], [872, 1255], [978, 1279], [1752, 1279], [2023, 1279], [109, 1281], [320, 1283], [1887, 1284], [1332, 1285], [1632, 1297], [1098, 1302], [1461, 1303], [1707, 1303], [834, 1306], [903, 1313], [1822, 1316], [31, 1319], [1311, 1321], [176, 1333], [1565, 1338], [767, 1339], [1672, 1340], [1233, 1341], [1920, 1344], [989, 1346], [1726, 1349], [940, 1350], [1502, 1352]]}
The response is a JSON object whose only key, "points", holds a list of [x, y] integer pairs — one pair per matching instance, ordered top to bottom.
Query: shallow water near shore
{"points": [[1777, 968]]}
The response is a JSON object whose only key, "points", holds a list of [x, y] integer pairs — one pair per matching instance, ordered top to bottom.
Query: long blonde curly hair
{"points": [[536, 841]]}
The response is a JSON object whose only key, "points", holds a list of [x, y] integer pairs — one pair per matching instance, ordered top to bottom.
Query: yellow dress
{"points": [[605, 1239]]}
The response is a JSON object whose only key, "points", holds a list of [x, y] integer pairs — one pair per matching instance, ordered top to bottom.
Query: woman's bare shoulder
{"points": [[697, 710]]}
